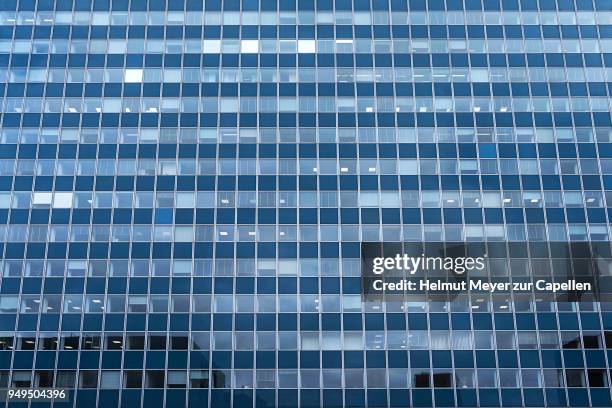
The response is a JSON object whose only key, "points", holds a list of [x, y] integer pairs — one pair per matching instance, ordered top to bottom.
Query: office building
{"points": [[185, 184]]}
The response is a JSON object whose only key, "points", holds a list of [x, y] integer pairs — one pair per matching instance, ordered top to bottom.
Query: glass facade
{"points": [[184, 186]]}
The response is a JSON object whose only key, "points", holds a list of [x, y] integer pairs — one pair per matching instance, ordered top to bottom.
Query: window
{"points": [[211, 46], [249, 46], [306, 46], [133, 75], [42, 199], [62, 200], [9, 304], [157, 342], [575, 378], [21, 379], [65, 379], [88, 379], [132, 379], [198, 379], [110, 380]]}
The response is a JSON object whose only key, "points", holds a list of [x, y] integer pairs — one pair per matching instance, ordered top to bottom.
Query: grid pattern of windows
{"points": [[184, 186]]}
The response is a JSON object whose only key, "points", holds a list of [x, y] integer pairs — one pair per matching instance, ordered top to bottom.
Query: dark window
{"points": [[135, 342], [157, 342], [574, 378], [597, 378], [88, 379], [133, 379], [155, 379], [422, 380], [442, 380]]}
